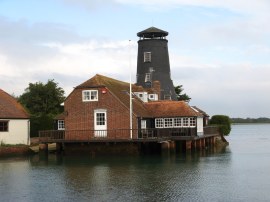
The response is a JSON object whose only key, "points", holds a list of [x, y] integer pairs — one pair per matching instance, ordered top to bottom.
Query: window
{"points": [[147, 56], [147, 77], [89, 95], [167, 97], [100, 119], [168, 122], [177, 122], [185, 122], [192, 122], [159, 123], [143, 124], [61, 125], [3, 126]]}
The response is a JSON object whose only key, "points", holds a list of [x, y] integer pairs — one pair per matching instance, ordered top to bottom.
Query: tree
{"points": [[178, 90], [43, 101], [223, 122]]}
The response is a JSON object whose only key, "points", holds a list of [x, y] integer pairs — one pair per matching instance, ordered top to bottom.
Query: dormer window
{"points": [[147, 56], [89, 95], [153, 97], [167, 97]]}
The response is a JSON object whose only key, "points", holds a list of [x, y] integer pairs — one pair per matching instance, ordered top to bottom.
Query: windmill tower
{"points": [[153, 62]]}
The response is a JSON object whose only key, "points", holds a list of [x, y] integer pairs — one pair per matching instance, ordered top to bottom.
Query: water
{"points": [[241, 172]]}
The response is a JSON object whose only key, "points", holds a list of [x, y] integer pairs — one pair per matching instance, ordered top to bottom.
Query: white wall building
{"points": [[14, 121]]}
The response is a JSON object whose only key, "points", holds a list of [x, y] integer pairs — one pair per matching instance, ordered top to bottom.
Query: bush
{"points": [[223, 122], [37, 123]]}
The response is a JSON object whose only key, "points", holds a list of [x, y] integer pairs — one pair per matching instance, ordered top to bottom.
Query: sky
{"points": [[219, 50]]}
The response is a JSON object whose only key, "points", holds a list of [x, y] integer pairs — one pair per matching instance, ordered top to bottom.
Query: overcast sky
{"points": [[219, 50]]}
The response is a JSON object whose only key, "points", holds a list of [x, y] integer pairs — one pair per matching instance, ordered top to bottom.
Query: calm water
{"points": [[241, 172]]}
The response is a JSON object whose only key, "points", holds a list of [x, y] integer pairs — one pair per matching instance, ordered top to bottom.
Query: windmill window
{"points": [[147, 57], [147, 77], [167, 97]]}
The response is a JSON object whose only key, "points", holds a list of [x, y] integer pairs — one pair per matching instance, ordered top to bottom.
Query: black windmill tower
{"points": [[153, 62]]}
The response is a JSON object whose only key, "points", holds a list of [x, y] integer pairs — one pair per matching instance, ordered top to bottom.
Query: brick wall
{"points": [[80, 115]]}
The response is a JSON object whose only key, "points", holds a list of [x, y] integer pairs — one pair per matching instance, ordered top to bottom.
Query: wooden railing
{"points": [[210, 130], [118, 134]]}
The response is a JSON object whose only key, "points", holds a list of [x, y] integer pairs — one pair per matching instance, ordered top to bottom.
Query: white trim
{"points": [[147, 57], [89, 95], [177, 122], [61, 124], [100, 125]]}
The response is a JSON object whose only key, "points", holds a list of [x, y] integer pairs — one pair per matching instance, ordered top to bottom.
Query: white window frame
{"points": [[147, 56], [147, 77], [89, 95], [167, 97], [168, 122], [178, 122], [185, 122], [192, 122], [100, 123], [159, 123], [143, 124], [61, 125], [4, 126]]}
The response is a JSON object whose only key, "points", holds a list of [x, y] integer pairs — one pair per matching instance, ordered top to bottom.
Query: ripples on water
{"points": [[238, 173]]}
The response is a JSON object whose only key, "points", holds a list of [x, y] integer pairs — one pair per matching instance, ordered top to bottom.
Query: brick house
{"points": [[100, 108], [14, 121]]}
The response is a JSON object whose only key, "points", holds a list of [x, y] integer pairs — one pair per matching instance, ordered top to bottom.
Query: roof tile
{"points": [[10, 107]]}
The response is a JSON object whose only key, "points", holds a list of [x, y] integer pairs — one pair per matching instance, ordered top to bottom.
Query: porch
{"points": [[124, 135]]}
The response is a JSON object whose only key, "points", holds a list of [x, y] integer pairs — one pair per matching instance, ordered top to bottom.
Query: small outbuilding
{"points": [[14, 121]]}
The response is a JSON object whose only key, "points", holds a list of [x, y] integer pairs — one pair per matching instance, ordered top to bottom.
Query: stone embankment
{"points": [[15, 150]]}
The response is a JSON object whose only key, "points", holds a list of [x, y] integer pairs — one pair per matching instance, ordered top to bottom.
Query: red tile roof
{"points": [[121, 90], [10, 108], [161, 108], [170, 109]]}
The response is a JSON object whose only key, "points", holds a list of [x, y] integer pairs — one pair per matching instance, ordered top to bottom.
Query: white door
{"points": [[100, 124]]}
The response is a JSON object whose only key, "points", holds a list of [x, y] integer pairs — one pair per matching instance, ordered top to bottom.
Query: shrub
{"points": [[223, 122]]}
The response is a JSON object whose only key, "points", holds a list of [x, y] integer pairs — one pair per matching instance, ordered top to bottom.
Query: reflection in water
{"points": [[240, 172]]}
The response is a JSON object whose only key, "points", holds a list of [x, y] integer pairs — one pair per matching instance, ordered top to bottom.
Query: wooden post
{"points": [[214, 140], [202, 143], [198, 144], [188, 145], [193, 145], [172, 146], [43, 147], [59, 147], [165, 147]]}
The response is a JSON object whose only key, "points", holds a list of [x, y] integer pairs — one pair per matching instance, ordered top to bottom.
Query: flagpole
{"points": [[130, 93]]}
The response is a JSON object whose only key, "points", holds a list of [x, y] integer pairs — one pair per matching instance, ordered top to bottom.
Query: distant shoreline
{"points": [[249, 120]]}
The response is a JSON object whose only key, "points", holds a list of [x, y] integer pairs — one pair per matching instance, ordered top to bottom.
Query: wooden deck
{"points": [[123, 135]]}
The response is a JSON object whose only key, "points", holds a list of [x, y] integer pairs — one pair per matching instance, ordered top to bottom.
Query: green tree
{"points": [[178, 90], [43, 101], [223, 122]]}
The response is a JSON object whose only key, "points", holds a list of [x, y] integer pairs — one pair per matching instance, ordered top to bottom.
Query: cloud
{"points": [[90, 5], [259, 7], [38, 52], [238, 90]]}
